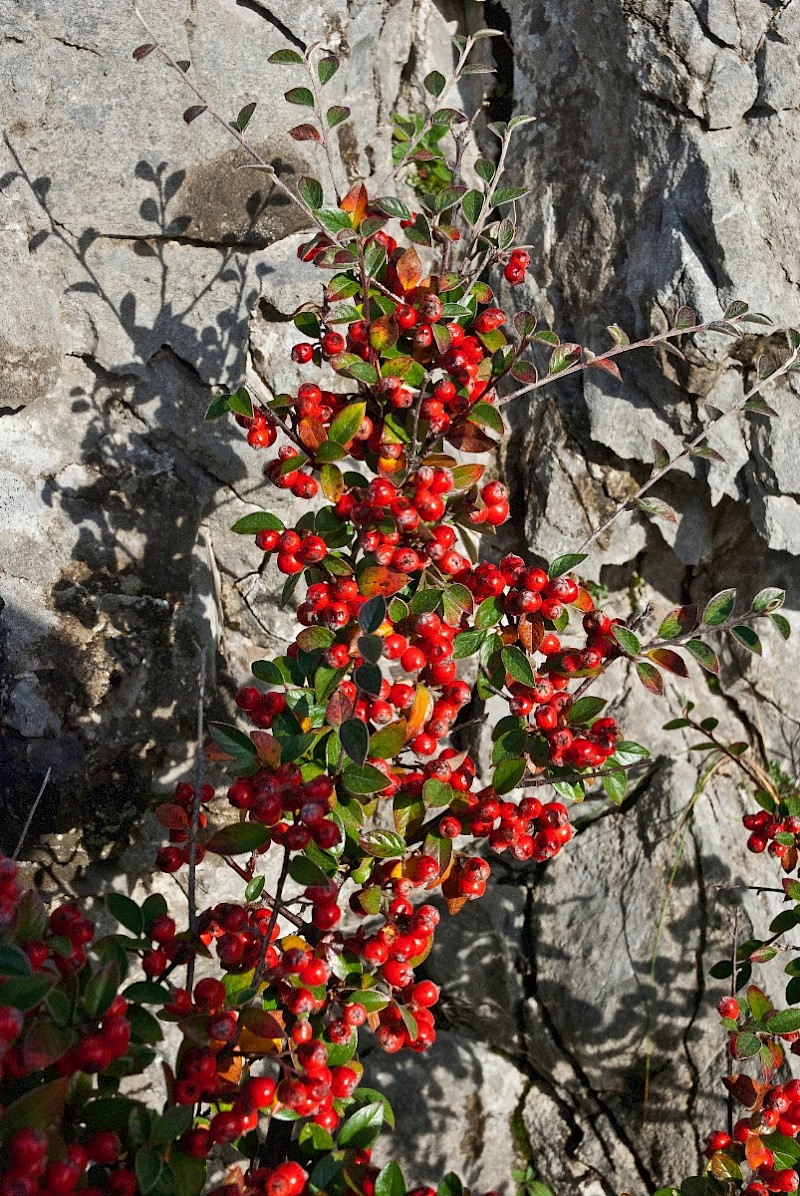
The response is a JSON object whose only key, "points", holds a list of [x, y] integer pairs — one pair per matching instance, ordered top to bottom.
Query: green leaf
{"points": [[284, 57], [327, 68], [435, 83], [299, 95], [336, 114], [245, 116], [311, 191], [507, 194], [472, 205], [334, 220], [487, 416], [345, 425], [258, 521], [564, 564], [768, 600], [719, 607], [489, 613], [372, 614], [678, 622], [782, 624], [747, 638], [626, 639], [467, 643], [705, 656], [517, 664], [650, 677], [585, 710], [231, 740], [355, 740], [388, 741], [508, 774], [364, 780], [615, 785], [437, 794], [238, 838], [385, 845], [254, 888], [127, 912], [13, 961], [103, 986], [147, 992], [784, 1022], [747, 1045], [39, 1109], [172, 1123], [362, 1128], [147, 1165], [390, 1181], [450, 1185]]}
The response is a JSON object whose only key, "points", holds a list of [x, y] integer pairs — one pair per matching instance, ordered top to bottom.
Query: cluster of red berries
{"points": [[516, 266], [271, 796], [527, 829], [764, 831], [31, 1171]]}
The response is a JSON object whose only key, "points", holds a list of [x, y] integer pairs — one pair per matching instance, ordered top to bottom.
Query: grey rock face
{"points": [[143, 272]]}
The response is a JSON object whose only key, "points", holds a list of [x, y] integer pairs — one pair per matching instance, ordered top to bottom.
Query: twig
{"points": [[229, 128], [687, 451], [199, 766], [31, 813], [276, 910], [734, 953]]}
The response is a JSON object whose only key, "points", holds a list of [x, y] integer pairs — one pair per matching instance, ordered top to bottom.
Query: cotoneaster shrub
{"points": [[344, 771]]}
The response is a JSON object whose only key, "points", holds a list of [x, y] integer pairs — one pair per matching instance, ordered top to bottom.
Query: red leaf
{"points": [[142, 51], [305, 133], [604, 363], [670, 661], [339, 709], [172, 816]]}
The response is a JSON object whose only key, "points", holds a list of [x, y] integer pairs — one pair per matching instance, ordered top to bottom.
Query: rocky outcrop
{"points": [[144, 272]]}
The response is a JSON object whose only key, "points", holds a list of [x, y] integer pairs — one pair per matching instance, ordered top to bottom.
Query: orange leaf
{"points": [[356, 203], [409, 269], [312, 433], [379, 579], [584, 602], [420, 712], [268, 748], [454, 904], [233, 1071], [756, 1152]]}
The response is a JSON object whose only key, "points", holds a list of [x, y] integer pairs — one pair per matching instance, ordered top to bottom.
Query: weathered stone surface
{"points": [[144, 271]]}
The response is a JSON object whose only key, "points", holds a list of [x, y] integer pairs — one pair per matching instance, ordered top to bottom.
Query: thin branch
{"points": [[687, 451], [199, 765], [31, 813]]}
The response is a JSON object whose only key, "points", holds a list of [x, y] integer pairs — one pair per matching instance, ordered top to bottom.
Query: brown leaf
{"points": [[305, 133], [312, 433], [470, 439], [531, 632], [268, 748], [745, 1090]]}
